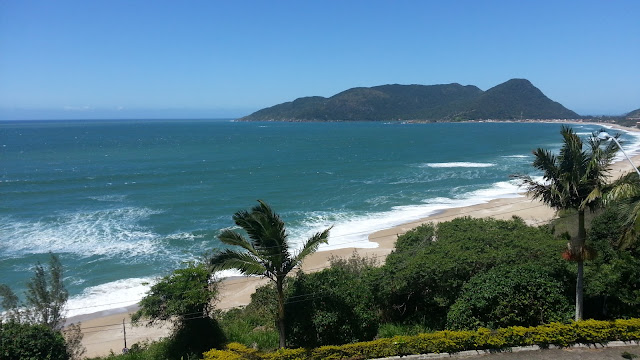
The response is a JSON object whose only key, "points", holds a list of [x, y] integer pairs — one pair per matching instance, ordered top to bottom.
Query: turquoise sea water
{"points": [[122, 202]]}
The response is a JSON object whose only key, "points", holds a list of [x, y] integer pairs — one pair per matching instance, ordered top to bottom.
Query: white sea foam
{"points": [[630, 142], [632, 145], [516, 156], [459, 165], [109, 198], [353, 230], [114, 232], [185, 236], [227, 274], [118, 294], [109, 296]]}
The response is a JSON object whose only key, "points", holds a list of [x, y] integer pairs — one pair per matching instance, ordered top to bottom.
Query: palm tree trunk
{"points": [[579, 248], [579, 289], [281, 330]]}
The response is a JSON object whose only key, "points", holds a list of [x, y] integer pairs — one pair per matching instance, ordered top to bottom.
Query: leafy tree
{"points": [[574, 179], [624, 193], [265, 253], [424, 276], [613, 278], [46, 294], [509, 296], [46, 297], [185, 299], [10, 303], [333, 306], [73, 339], [24, 341]]}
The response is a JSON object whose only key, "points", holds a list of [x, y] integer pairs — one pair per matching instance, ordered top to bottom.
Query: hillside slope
{"points": [[514, 99]]}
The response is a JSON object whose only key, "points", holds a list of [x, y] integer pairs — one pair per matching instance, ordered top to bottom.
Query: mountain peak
{"points": [[513, 99]]}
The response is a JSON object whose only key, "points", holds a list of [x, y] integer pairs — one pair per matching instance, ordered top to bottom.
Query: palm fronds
{"points": [[265, 253]]}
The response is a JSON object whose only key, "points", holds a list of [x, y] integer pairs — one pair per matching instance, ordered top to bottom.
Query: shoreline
{"points": [[103, 331]]}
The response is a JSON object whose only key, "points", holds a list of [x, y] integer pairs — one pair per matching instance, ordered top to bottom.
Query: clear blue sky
{"points": [[134, 58]]}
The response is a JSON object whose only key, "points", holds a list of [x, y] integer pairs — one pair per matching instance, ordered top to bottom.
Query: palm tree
{"points": [[574, 179], [625, 193], [265, 253]]}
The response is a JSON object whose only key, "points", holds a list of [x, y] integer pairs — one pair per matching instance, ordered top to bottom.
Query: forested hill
{"points": [[514, 99], [634, 114]]}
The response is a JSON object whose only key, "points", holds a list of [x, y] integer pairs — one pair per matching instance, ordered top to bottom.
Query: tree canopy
{"points": [[513, 99], [574, 179], [265, 252], [425, 275], [46, 297], [185, 298], [31, 342]]}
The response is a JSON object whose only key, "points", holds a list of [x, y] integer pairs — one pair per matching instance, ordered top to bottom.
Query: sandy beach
{"points": [[105, 332]]}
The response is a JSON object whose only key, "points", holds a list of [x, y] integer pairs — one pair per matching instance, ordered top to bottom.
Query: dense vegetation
{"points": [[514, 99], [517, 99], [575, 179], [265, 252], [464, 274], [425, 276], [463, 284], [185, 300], [333, 306], [33, 329], [483, 340], [31, 341]]}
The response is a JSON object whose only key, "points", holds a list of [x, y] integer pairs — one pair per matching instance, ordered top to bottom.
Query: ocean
{"points": [[123, 202]]}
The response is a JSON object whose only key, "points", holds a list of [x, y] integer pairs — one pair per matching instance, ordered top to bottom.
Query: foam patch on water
{"points": [[630, 142], [458, 165], [109, 198], [353, 230], [114, 232], [118, 294], [109, 296]]}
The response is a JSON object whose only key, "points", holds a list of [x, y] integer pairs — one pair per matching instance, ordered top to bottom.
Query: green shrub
{"points": [[423, 278], [612, 279], [507, 296], [184, 298], [341, 310], [254, 324], [245, 327], [388, 330], [627, 330], [587, 332], [594, 332], [553, 334], [513, 336], [31, 342], [232, 351], [287, 354], [222, 355]]}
